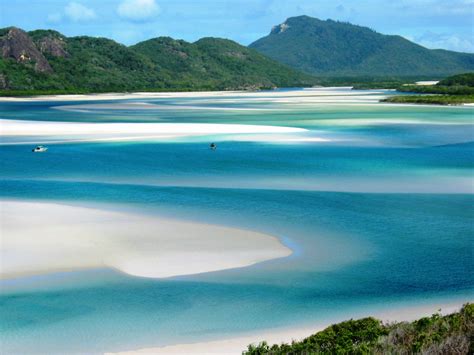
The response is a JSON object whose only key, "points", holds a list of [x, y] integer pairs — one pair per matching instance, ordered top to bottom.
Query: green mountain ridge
{"points": [[339, 49], [303, 51], [45, 60]]}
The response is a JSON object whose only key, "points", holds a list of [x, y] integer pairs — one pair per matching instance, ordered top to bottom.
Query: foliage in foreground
{"points": [[450, 334]]}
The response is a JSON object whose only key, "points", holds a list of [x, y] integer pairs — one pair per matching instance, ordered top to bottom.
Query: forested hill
{"points": [[338, 49], [44, 61]]}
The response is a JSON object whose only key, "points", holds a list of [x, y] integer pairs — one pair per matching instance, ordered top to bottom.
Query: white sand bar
{"points": [[193, 94], [122, 131], [46, 237]]}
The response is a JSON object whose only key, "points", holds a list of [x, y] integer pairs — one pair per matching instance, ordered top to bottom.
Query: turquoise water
{"points": [[378, 217]]}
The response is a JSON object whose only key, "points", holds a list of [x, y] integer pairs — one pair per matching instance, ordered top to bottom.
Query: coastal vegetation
{"points": [[466, 79], [371, 82], [454, 90], [431, 99], [449, 334]]}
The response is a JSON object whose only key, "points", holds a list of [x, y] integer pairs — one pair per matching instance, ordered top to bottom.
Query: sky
{"points": [[446, 24]]}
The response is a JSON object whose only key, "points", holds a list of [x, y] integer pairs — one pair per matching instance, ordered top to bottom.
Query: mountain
{"points": [[336, 49], [47, 61], [216, 62]]}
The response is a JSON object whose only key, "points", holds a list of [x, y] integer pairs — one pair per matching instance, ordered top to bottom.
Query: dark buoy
{"points": [[212, 146]]}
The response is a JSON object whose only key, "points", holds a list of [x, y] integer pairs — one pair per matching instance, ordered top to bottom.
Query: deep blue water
{"points": [[378, 218]]}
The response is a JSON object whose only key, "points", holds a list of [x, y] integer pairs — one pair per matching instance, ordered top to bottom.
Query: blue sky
{"points": [[444, 24]]}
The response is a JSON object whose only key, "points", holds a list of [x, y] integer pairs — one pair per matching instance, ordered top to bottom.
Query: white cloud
{"points": [[439, 7], [138, 10], [78, 12], [55, 17], [446, 41]]}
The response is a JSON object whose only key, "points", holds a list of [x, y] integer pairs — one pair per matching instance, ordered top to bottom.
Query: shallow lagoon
{"points": [[378, 216]]}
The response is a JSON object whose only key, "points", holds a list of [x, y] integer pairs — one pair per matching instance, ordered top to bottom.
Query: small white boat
{"points": [[39, 149]]}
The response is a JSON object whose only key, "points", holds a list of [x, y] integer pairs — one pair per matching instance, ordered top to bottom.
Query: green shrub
{"points": [[450, 334]]}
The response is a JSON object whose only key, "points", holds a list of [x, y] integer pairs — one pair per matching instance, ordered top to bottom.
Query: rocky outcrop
{"points": [[18, 45], [54, 46]]}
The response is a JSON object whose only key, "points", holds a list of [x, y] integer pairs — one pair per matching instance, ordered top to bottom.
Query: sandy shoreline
{"points": [[190, 94], [304, 97], [40, 237], [237, 344]]}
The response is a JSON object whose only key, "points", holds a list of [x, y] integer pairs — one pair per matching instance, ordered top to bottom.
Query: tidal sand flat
{"points": [[300, 93], [79, 131], [130, 233], [42, 237]]}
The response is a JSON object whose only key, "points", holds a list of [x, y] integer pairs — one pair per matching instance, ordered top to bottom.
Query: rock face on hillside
{"points": [[18, 45], [53, 46]]}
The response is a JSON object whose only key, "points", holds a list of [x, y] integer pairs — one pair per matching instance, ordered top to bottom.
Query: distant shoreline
{"points": [[298, 91], [331, 93], [112, 95]]}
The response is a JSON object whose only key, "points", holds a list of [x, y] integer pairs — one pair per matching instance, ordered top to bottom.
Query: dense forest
{"points": [[339, 49], [45, 61]]}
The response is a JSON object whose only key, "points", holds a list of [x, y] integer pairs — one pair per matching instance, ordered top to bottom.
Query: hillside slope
{"points": [[330, 48], [47, 61], [217, 63]]}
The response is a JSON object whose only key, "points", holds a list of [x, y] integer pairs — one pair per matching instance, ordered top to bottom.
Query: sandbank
{"points": [[427, 82], [191, 94], [127, 131], [39, 237]]}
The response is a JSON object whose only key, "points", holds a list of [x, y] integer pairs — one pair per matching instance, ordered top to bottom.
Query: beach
{"points": [[326, 91], [40, 237]]}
